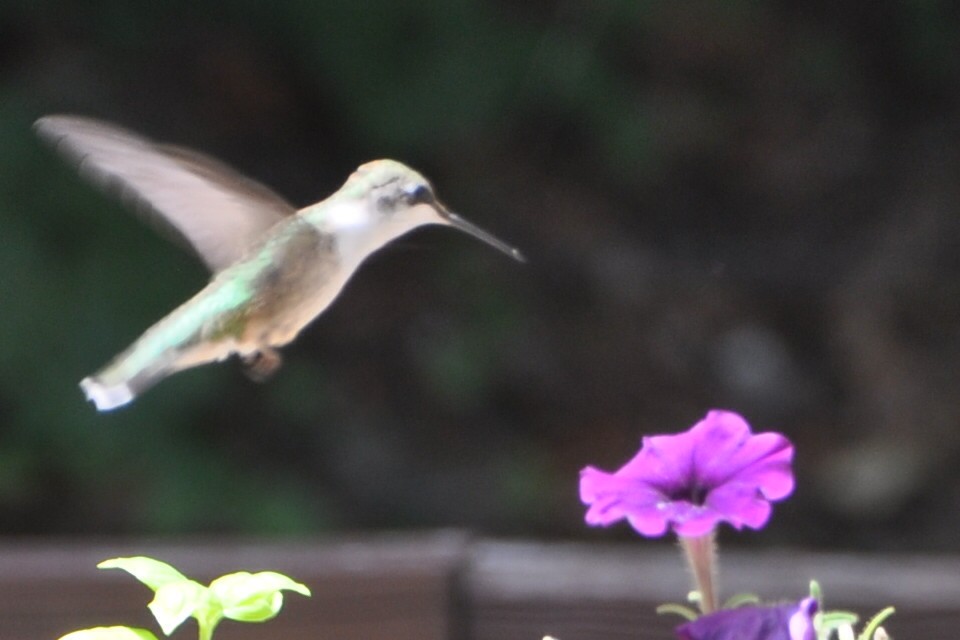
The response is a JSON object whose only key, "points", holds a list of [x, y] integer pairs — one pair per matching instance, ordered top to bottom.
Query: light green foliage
{"points": [[150, 572], [242, 596], [253, 597], [741, 600], [174, 602], [830, 623], [110, 633]]}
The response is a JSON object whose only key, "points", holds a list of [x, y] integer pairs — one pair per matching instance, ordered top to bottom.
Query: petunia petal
{"points": [[719, 438], [726, 448], [662, 462], [715, 471], [770, 472], [612, 497], [740, 506], [649, 522], [694, 524], [782, 622]]}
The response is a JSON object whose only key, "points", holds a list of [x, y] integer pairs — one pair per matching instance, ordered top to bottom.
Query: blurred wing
{"points": [[217, 211]]}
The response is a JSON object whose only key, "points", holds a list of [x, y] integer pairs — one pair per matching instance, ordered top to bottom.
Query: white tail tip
{"points": [[106, 398]]}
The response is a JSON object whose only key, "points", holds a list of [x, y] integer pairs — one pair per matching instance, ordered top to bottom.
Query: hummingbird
{"points": [[274, 268]]}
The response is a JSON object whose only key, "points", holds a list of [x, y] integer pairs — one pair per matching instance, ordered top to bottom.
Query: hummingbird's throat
{"points": [[346, 216]]}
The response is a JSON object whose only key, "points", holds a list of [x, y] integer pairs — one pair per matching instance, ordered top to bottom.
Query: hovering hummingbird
{"points": [[274, 268]]}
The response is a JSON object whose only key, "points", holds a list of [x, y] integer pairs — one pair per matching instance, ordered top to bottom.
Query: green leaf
{"points": [[150, 572], [816, 592], [253, 597], [740, 600], [174, 602], [678, 609], [837, 618], [828, 623], [871, 627], [110, 633]]}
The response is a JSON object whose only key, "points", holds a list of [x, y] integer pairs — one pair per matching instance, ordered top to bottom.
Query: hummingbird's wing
{"points": [[217, 211]]}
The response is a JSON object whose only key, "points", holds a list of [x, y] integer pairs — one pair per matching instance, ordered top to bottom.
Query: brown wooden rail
{"points": [[448, 586]]}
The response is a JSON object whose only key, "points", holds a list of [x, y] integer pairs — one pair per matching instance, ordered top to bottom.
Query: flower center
{"points": [[695, 494]]}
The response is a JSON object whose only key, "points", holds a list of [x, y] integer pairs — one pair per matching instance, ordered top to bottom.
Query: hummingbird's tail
{"points": [[199, 331], [145, 363], [110, 389], [106, 397]]}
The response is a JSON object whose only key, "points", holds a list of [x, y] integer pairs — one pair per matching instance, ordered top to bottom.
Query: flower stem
{"points": [[701, 554], [206, 627]]}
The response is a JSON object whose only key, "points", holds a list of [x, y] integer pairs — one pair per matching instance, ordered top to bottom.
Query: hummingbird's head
{"points": [[399, 199]]}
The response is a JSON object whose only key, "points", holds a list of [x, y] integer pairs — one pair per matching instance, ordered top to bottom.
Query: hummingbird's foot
{"points": [[261, 365]]}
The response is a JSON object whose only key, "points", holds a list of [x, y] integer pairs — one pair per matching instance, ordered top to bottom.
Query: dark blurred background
{"points": [[749, 205]]}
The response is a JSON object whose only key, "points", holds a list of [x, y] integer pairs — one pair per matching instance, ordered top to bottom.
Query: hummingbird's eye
{"points": [[420, 194]]}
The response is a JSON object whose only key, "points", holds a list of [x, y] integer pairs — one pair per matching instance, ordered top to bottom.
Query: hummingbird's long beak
{"points": [[459, 223]]}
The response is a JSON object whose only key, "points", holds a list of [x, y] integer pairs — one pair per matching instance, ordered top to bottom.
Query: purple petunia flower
{"points": [[717, 471], [783, 622]]}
